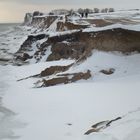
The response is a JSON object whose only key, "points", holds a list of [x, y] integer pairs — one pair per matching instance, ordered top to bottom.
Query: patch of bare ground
{"points": [[43, 22], [99, 22], [61, 26], [79, 43], [23, 57], [4, 59], [54, 69], [49, 71], [108, 71], [59, 78], [64, 79], [101, 125]]}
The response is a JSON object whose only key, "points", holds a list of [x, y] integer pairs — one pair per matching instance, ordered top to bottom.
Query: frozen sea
{"points": [[7, 32], [11, 37]]}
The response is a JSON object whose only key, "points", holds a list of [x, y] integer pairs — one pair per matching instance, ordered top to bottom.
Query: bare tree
{"points": [[80, 10], [87, 10], [96, 10], [105, 10], [111, 10], [71, 12], [36, 13], [51, 13]]}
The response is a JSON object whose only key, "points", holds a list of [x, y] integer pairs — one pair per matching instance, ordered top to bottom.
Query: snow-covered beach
{"points": [[67, 111], [46, 113]]}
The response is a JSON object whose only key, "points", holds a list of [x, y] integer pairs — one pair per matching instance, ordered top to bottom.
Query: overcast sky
{"points": [[14, 10]]}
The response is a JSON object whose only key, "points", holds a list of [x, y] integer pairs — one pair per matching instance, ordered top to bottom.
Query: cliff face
{"points": [[28, 19], [39, 20], [43, 22], [57, 37], [70, 39], [79, 45]]}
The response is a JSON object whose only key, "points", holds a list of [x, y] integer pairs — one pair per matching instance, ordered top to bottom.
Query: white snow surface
{"points": [[118, 14], [113, 26], [124, 65], [48, 111]]}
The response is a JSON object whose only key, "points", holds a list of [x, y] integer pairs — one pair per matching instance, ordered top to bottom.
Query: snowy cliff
{"points": [[28, 19], [72, 77]]}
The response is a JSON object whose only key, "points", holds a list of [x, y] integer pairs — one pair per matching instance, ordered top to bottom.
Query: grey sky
{"points": [[79, 2], [14, 10]]}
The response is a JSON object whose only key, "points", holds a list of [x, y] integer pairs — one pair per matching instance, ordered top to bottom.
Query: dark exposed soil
{"points": [[43, 22], [99, 22], [61, 26], [79, 43], [26, 46], [23, 57], [4, 59], [54, 69], [108, 72], [64, 79], [55, 81], [101, 125]]}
